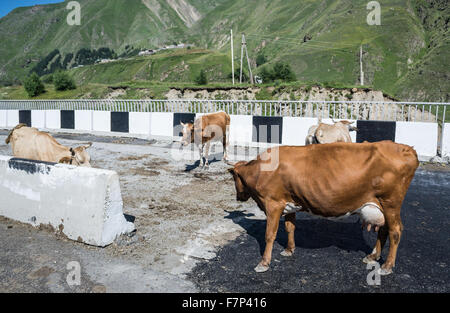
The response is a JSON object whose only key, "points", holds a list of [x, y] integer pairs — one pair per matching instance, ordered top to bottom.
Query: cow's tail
{"points": [[8, 139]]}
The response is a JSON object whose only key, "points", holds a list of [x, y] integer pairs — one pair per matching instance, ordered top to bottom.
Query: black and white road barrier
{"points": [[245, 130], [84, 204]]}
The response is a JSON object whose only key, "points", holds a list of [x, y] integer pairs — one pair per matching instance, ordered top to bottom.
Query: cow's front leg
{"points": [[200, 150], [206, 154], [273, 213], [289, 224], [381, 240]]}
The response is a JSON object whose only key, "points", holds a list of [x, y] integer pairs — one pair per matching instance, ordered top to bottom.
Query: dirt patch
{"points": [[134, 157], [435, 167], [142, 171], [41, 273]]}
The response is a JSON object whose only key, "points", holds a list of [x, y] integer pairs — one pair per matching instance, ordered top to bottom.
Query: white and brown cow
{"points": [[205, 130], [327, 133], [30, 143], [333, 180]]}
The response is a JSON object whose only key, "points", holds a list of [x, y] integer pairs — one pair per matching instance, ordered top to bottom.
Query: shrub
{"points": [[260, 59], [283, 72], [237, 74], [266, 75], [201, 79], [63, 81], [33, 85]]}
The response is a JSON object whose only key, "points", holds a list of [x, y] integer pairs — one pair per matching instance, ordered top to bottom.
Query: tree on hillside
{"points": [[261, 59], [283, 71], [201, 79], [62, 81], [33, 85]]}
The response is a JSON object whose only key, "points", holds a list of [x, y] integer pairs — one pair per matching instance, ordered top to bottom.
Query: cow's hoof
{"points": [[287, 253], [369, 260], [261, 268], [385, 271]]}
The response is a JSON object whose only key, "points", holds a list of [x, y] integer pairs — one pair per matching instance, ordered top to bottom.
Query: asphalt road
{"points": [[328, 255]]}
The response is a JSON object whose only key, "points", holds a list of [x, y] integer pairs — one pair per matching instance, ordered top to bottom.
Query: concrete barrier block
{"points": [[3, 114], [12, 118], [38, 118], [53, 119], [83, 120], [102, 121], [139, 123], [161, 124], [241, 129], [295, 130], [422, 136], [446, 141], [83, 204]]}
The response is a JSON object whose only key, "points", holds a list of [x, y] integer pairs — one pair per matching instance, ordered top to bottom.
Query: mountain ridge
{"points": [[407, 56]]}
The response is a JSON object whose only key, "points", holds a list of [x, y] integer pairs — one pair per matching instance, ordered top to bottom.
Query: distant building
{"points": [[146, 52]]}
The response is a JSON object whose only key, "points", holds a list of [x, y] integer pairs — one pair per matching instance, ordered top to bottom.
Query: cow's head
{"points": [[349, 125], [188, 134], [79, 156], [242, 193]]}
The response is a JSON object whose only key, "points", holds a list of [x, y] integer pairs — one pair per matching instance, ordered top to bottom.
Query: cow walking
{"points": [[206, 129], [326, 133], [30, 143], [333, 180]]}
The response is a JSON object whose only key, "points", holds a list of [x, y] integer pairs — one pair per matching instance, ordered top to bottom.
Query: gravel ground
{"points": [[193, 236]]}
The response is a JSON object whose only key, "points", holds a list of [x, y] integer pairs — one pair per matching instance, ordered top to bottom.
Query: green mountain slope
{"points": [[406, 56]]}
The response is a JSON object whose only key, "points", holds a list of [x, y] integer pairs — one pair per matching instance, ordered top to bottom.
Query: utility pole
{"points": [[244, 46], [232, 57], [361, 66]]}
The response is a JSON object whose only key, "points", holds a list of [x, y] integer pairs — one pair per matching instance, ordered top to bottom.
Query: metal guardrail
{"points": [[362, 110]]}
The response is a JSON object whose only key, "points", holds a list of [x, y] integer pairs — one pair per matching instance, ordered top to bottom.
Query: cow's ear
{"points": [[182, 124], [88, 145], [231, 170]]}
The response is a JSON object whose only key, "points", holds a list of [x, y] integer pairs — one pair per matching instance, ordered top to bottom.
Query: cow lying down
{"points": [[30, 143], [332, 180]]}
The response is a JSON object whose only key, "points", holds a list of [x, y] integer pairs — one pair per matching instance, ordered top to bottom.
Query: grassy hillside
{"points": [[406, 56], [171, 66]]}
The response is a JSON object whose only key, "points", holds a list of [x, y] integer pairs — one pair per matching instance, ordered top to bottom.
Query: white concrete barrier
{"points": [[3, 114], [12, 118], [38, 119], [53, 119], [83, 120], [101, 121], [139, 123], [161, 124], [241, 127], [295, 130], [422, 136], [446, 141], [84, 204]]}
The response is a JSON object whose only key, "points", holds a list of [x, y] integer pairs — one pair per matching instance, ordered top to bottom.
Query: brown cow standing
{"points": [[206, 129], [30, 143], [332, 180]]}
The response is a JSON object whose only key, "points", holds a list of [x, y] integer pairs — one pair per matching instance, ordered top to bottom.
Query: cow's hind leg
{"points": [[273, 212], [289, 224], [395, 228], [381, 240]]}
